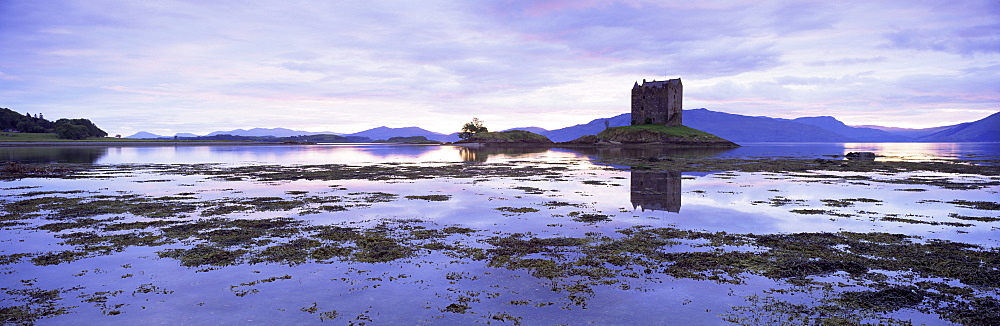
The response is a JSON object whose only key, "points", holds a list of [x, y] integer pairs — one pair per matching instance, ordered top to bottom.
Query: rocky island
{"points": [[657, 120], [652, 135], [507, 137]]}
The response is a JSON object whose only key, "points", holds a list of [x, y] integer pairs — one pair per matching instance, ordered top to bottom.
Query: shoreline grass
{"points": [[19, 137]]}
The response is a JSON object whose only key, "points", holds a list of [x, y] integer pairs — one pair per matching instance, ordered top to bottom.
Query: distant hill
{"points": [[734, 127], [591, 128], [740, 128], [745, 129], [536, 130], [983, 130], [274, 132], [907, 132], [386, 133], [856, 133], [185, 134], [146, 135], [321, 138]]}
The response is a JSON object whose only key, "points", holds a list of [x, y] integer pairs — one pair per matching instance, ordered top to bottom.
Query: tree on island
{"points": [[10, 120], [13, 121], [29, 126], [471, 128], [77, 129], [71, 131]]}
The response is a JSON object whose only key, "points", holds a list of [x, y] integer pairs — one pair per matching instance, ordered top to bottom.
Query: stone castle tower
{"points": [[657, 102]]}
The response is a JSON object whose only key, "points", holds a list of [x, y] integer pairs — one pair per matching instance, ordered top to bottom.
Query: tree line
{"points": [[12, 121]]}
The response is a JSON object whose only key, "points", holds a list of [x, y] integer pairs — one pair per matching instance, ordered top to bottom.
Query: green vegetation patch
{"points": [[673, 131], [655, 134], [53, 137], [15, 170], [430, 197], [778, 201], [847, 202], [561, 204], [981, 205], [519, 210], [807, 211], [589, 217], [896, 218], [974, 218], [378, 248], [204, 255], [889, 299], [25, 306], [457, 308]]}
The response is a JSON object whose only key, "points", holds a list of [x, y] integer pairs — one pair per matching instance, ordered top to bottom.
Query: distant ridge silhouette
{"points": [[734, 127]]}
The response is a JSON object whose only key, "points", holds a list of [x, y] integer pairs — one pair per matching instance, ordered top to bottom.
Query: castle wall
{"points": [[658, 102]]}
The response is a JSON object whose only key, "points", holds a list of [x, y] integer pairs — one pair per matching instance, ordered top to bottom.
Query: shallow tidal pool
{"points": [[535, 238]]}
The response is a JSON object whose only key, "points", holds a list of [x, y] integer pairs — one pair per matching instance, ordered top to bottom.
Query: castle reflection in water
{"points": [[650, 191], [656, 191]]}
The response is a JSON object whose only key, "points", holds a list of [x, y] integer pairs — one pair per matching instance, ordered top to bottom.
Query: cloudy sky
{"points": [[347, 66]]}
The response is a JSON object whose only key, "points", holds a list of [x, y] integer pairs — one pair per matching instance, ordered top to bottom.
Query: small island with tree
{"points": [[474, 132]]}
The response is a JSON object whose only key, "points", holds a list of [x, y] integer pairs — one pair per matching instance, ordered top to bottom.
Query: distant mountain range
{"points": [[734, 127], [745, 129], [983, 130], [255, 132], [261, 132], [386, 132], [854, 133], [912, 133], [146, 135], [363, 136]]}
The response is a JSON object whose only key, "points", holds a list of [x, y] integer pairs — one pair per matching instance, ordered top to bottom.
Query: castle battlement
{"points": [[657, 102]]}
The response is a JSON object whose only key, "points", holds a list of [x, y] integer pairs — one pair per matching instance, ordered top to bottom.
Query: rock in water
{"points": [[861, 156]]}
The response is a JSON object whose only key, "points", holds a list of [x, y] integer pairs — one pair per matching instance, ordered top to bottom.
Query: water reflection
{"points": [[885, 151], [925, 151], [392, 152], [658, 152], [383, 153], [76, 154], [282, 154], [483, 154], [656, 191]]}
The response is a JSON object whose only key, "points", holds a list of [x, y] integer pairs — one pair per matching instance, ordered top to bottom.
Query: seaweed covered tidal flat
{"points": [[526, 241]]}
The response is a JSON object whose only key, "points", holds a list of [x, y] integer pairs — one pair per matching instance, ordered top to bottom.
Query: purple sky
{"points": [[345, 66]]}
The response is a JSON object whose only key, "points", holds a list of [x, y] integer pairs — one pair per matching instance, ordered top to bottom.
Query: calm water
{"points": [[380, 153], [455, 249]]}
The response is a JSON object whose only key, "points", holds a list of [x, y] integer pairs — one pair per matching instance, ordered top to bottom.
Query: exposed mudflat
{"points": [[532, 241]]}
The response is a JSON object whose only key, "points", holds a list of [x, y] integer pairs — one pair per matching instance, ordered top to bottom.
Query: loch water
{"points": [[382, 153], [423, 234]]}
